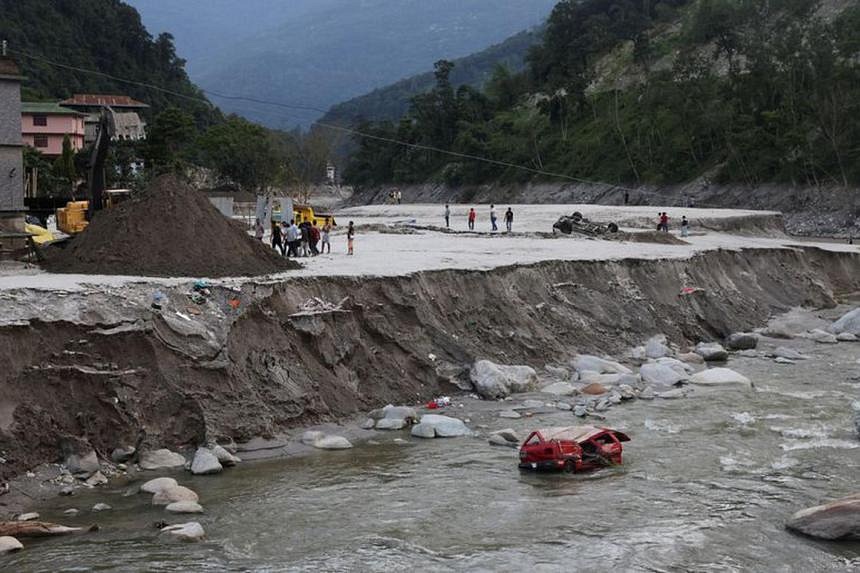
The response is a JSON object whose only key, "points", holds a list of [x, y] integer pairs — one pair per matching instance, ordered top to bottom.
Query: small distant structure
{"points": [[126, 115], [44, 125], [11, 157], [330, 173]]}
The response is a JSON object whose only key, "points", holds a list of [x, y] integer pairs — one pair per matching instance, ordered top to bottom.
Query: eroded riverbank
{"points": [[707, 484]]}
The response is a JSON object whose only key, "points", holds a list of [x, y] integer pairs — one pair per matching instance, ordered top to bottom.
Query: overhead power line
{"points": [[334, 127]]}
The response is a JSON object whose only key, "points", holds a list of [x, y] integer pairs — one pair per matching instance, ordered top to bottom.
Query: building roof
{"points": [[101, 100], [46, 108]]}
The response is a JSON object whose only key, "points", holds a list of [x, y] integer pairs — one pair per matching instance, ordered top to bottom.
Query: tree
{"points": [[169, 140], [244, 154], [64, 167]]}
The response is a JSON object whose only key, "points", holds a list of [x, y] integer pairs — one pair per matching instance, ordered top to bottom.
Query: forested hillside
{"points": [[104, 35], [746, 91], [392, 102]]}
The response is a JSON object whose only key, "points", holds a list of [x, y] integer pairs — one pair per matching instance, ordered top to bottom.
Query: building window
{"points": [[40, 120], [40, 141]]}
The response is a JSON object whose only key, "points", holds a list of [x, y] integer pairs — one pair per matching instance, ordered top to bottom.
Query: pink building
{"points": [[44, 125]]}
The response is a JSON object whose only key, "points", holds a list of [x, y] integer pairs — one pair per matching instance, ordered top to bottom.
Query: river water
{"points": [[707, 483]]}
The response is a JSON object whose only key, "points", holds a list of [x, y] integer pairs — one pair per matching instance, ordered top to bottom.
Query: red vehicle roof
{"points": [[103, 100], [578, 434]]}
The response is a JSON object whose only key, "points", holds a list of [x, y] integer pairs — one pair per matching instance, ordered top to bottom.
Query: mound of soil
{"points": [[170, 230]]}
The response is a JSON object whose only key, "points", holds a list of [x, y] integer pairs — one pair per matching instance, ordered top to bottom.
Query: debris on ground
{"points": [[170, 230], [316, 305]]}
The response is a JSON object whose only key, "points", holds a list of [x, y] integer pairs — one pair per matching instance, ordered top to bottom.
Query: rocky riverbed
{"points": [[712, 475]]}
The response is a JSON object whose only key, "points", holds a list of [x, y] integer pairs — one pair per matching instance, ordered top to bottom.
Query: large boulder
{"points": [[849, 322], [821, 336], [742, 341], [656, 347], [712, 351], [788, 353], [691, 358], [589, 363], [682, 368], [660, 374], [720, 377], [495, 381], [559, 389], [390, 424], [443, 427], [427, 431], [329, 442], [122, 454], [225, 458], [162, 459], [205, 462], [82, 465], [158, 484], [172, 494], [184, 507], [838, 519], [191, 531], [9, 544]]}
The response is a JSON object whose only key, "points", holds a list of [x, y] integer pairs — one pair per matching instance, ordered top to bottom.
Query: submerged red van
{"points": [[572, 449]]}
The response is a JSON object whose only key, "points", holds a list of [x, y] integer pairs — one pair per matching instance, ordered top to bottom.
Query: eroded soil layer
{"points": [[106, 368]]}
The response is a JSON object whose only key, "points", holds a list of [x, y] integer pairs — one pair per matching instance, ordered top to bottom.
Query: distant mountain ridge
{"points": [[329, 52], [391, 102]]}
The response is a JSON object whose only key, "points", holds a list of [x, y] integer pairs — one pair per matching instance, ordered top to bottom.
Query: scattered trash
{"points": [[686, 291], [158, 299], [315, 305], [437, 403]]}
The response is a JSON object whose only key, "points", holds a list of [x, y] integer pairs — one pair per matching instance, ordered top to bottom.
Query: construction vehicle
{"points": [[302, 213], [76, 215], [73, 218]]}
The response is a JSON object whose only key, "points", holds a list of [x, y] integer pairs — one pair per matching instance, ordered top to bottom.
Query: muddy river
{"points": [[707, 484]]}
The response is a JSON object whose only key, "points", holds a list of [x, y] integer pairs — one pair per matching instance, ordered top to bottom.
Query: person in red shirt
{"points": [[472, 216], [664, 222], [314, 239]]}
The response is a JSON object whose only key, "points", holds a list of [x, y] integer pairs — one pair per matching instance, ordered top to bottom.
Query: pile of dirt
{"points": [[170, 230]]}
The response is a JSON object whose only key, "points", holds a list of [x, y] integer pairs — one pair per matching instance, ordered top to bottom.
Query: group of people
{"points": [[395, 197], [473, 215], [663, 224], [305, 239]]}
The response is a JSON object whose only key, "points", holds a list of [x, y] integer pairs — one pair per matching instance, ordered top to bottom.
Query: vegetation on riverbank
{"points": [[744, 91]]}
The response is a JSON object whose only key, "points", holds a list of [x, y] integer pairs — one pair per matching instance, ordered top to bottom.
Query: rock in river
{"points": [[849, 322], [821, 336], [742, 341], [656, 347], [712, 351], [783, 352], [589, 363], [660, 374], [720, 377], [495, 381], [559, 389], [594, 389], [510, 414], [390, 424], [442, 426], [330, 442], [122, 454], [224, 457], [161, 459], [205, 462], [82, 465], [158, 484], [173, 494], [101, 507], [184, 507], [28, 516], [838, 519], [191, 531], [9, 544]]}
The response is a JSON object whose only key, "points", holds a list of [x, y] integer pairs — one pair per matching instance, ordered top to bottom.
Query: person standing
{"points": [[399, 197], [626, 197], [447, 216], [472, 216], [509, 219], [664, 222], [493, 226], [685, 227], [259, 231], [292, 235], [326, 236], [306, 238], [315, 238], [350, 239], [277, 242]]}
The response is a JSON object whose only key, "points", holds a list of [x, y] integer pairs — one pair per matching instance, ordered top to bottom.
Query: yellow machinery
{"points": [[303, 213], [72, 219], [39, 234]]}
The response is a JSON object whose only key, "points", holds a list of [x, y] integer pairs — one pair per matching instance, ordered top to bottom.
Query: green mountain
{"points": [[103, 35], [743, 91], [392, 102]]}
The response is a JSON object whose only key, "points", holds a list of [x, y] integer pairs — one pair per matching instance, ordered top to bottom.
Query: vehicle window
{"points": [[605, 439], [533, 440]]}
